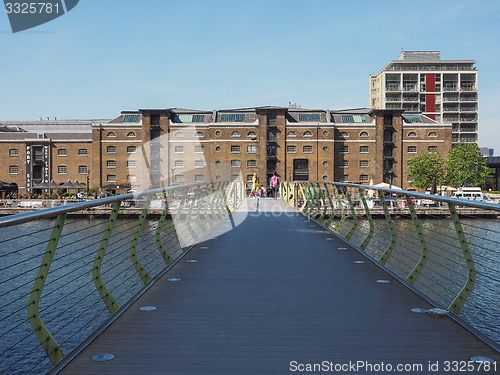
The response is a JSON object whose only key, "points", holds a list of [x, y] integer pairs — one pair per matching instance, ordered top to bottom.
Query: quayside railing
{"points": [[446, 249], [62, 276]]}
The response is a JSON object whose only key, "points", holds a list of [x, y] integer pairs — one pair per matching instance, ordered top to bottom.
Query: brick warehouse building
{"points": [[160, 147]]}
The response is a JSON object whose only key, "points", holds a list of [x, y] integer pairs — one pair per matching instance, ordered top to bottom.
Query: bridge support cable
{"points": [[316, 193], [305, 199], [322, 203], [202, 207], [342, 211], [353, 212], [332, 214], [189, 215], [370, 221], [161, 222], [388, 251], [143, 274], [412, 277], [106, 296], [461, 298], [49, 344]]}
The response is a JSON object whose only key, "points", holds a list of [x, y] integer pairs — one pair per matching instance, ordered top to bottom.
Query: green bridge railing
{"points": [[445, 249], [62, 275]]}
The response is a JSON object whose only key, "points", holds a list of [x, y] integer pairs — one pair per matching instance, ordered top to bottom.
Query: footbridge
{"points": [[201, 279]]}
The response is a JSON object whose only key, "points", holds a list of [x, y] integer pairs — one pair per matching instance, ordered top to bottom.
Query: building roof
{"points": [[423, 58], [352, 111], [411, 118], [53, 126], [4, 128], [16, 136], [69, 136]]}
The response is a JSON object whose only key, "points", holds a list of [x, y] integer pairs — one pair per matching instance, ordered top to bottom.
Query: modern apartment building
{"points": [[444, 90], [161, 147]]}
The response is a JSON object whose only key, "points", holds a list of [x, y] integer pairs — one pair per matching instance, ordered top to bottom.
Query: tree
{"points": [[465, 165], [424, 168]]}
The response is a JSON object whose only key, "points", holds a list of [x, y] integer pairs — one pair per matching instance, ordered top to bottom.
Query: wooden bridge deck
{"points": [[269, 295]]}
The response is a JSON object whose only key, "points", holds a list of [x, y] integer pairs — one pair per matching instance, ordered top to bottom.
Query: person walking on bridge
{"points": [[255, 185], [274, 185]]}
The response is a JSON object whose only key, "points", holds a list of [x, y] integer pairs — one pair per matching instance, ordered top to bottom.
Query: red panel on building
{"points": [[430, 99]]}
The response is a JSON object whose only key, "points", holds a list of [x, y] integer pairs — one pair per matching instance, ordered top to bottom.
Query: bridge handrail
{"points": [[434, 197], [47, 213], [434, 240], [137, 254]]}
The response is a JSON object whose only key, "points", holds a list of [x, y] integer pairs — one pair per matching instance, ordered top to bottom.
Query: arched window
{"points": [[199, 134], [235, 134], [251, 134], [291, 134], [308, 134], [344, 134], [363, 134], [412, 134], [432, 134], [111, 135], [131, 135], [179, 135]]}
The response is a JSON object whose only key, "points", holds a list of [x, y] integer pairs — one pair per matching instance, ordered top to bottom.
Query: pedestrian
{"points": [[255, 185], [274, 185]]}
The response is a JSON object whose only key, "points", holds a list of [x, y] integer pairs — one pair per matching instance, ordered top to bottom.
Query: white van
{"points": [[471, 193]]}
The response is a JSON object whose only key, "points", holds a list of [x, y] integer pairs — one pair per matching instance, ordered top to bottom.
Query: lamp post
{"points": [[173, 172], [88, 179]]}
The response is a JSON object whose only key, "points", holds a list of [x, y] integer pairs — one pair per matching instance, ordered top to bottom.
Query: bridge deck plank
{"points": [[270, 291]]}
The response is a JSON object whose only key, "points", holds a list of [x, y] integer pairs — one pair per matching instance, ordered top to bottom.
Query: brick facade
{"points": [[161, 147]]}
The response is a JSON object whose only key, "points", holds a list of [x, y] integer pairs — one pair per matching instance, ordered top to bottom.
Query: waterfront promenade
{"points": [[271, 294]]}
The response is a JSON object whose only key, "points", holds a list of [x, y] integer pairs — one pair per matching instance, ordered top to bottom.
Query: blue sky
{"points": [[107, 56]]}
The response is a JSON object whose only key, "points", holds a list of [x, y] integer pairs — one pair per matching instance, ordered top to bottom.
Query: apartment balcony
{"points": [[392, 87], [410, 87], [450, 87], [467, 87], [393, 98], [410, 98], [450, 98], [468, 98], [393, 106], [411, 108], [468, 108], [450, 109], [450, 118], [468, 119], [468, 128], [468, 138]]}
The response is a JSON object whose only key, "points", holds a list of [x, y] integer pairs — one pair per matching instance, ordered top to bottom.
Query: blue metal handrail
{"points": [[444, 253], [104, 263]]}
